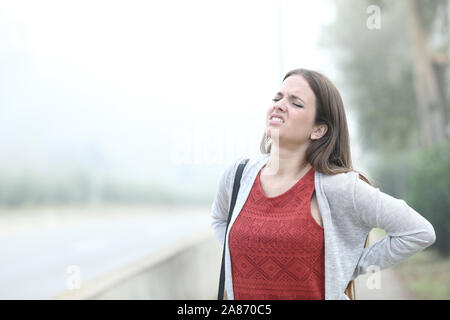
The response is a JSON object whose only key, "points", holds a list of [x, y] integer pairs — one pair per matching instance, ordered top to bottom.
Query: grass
{"points": [[426, 275]]}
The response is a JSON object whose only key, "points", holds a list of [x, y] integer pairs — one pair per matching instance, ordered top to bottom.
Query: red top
{"points": [[276, 246]]}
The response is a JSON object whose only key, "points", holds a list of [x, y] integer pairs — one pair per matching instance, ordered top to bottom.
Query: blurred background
{"points": [[117, 119]]}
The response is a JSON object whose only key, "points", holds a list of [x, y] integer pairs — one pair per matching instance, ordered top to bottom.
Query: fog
{"points": [[157, 93]]}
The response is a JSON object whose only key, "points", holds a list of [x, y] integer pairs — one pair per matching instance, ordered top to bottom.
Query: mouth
{"points": [[276, 120]]}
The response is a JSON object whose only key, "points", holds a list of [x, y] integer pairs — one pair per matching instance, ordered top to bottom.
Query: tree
{"points": [[381, 66], [430, 98]]}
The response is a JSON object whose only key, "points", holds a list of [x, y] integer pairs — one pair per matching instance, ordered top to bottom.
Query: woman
{"points": [[302, 216]]}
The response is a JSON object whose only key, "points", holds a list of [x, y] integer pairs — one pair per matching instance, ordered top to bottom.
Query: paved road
{"points": [[37, 248], [36, 252]]}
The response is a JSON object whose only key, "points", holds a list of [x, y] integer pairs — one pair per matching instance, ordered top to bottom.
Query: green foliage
{"points": [[391, 172], [422, 179], [429, 191], [426, 275]]}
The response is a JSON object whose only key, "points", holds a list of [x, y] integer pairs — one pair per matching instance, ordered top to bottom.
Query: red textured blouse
{"points": [[276, 246]]}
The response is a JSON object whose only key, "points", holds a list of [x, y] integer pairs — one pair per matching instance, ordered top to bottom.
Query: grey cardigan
{"points": [[350, 208]]}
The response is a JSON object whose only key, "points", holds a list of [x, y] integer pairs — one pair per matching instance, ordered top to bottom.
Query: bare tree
{"points": [[430, 103]]}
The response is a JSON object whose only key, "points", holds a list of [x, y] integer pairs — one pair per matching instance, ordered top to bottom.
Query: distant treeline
{"points": [[422, 179], [82, 187]]}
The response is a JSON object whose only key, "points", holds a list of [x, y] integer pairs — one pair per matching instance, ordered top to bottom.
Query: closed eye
{"points": [[295, 104]]}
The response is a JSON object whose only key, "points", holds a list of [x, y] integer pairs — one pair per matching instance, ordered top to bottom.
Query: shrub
{"points": [[428, 191]]}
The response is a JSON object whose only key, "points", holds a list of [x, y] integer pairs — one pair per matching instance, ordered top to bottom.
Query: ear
{"points": [[319, 131]]}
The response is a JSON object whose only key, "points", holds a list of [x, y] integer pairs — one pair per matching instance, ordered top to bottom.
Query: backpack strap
{"points": [[237, 183]]}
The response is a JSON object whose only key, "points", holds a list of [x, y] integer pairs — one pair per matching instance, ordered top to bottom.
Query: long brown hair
{"points": [[331, 153]]}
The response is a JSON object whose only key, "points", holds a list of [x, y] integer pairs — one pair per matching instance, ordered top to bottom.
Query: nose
{"points": [[280, 105]]}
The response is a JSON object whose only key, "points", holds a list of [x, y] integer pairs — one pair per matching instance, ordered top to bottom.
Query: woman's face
{"points": [[295, 103]]}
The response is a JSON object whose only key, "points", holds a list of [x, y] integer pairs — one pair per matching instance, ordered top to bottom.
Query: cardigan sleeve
{"points": [[221, 203], [407, 231]]}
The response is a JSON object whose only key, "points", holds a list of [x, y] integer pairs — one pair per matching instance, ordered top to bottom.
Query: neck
{"points": [[287, 163]]}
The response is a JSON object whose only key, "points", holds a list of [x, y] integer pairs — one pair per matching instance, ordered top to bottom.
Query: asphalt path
{"points": [[43, 254]]}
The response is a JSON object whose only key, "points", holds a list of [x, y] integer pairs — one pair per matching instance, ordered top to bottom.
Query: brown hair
{"points": [[331, 153]]}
